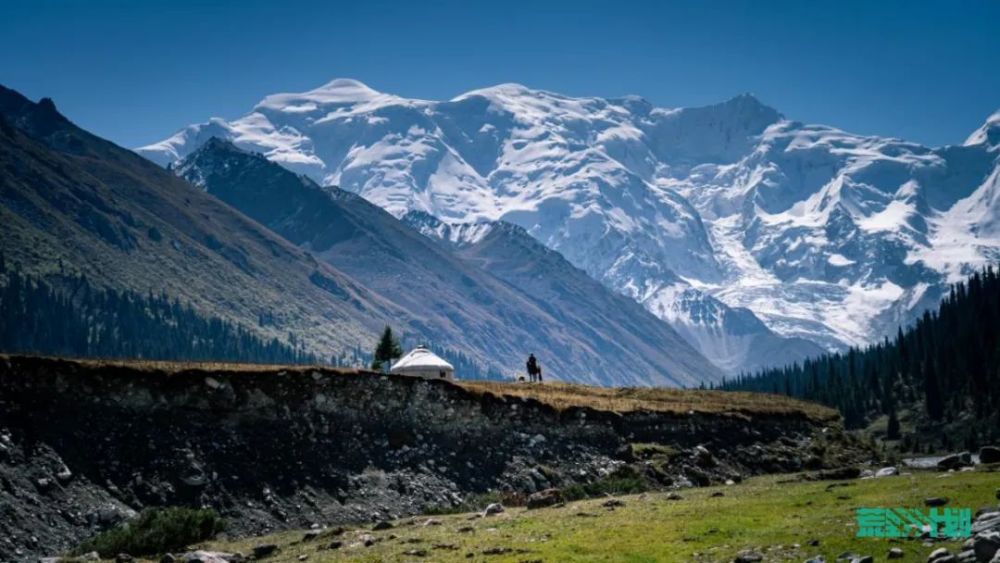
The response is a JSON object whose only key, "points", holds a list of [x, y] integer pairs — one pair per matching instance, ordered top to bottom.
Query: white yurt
{"points": [[421, 362]]}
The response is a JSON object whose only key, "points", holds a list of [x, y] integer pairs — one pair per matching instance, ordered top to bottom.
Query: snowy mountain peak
{"points": [[342, 91], [988, 134], [708, 215]]}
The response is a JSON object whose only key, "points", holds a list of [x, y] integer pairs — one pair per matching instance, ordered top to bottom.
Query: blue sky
{"points": [[136, 71]]}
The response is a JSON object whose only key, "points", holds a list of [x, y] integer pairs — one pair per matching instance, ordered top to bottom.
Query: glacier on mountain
{"points": [[754, 235]]}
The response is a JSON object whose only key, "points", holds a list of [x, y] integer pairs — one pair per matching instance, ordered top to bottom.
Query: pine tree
{"points": [[387, 350], [932, 391], [892, 431]]}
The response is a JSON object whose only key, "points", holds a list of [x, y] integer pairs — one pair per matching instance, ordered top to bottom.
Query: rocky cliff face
{"points": [[83, 446]]}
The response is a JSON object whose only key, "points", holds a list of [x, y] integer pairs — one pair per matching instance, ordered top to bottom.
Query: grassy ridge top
{"points": [[558, 395], [656, 399]]}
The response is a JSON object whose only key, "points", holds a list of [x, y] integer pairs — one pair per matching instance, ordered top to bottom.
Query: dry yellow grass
{"points": [[558, 395], [629, 399]]}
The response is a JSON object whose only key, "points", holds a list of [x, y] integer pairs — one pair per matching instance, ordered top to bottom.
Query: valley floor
{"points": [[778, 516]]}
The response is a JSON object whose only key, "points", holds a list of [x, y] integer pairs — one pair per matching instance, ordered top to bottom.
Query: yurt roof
{"points": [[421, 358]]}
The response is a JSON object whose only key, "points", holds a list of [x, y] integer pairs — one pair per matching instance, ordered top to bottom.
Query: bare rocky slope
{"points": [[74, 204], [579, 330], [85, 445]]}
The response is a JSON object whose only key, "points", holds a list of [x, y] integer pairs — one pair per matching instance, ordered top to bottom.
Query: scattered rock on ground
{"points": [[989, 454], [955, 461], [887, 472], [674, 496], [935, 501], [613, 503], [493, 508], [382, 525], [986, 544], [263, 550], [895, 553], [938, 554], [748, 556]]}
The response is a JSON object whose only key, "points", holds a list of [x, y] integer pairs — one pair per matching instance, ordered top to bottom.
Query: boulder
{"points": [[989, 454], [703, 457], [955, 461], [887, 472], [674, 496], [544, 498], [935, 501], [493, 508], [986, 521], [382, 525], [986, 544], [264, 550], [895, 553], [938, 554], [748, 556], [210, 557], [124, 558], [863, 559]]}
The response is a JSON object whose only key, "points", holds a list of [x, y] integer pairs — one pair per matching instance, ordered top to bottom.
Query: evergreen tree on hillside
{"points": [[69, 317], [387, 350], [944, 367], [892, 430]]}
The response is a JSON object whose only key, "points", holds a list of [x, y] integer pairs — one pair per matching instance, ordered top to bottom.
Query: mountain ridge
{"points": [[731, 204], [465, 305]]}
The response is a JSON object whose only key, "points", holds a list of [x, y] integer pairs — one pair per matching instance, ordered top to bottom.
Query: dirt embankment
{"points": [[83, 445]]}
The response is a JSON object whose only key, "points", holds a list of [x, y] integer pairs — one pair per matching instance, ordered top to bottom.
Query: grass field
{"points": [[775, 515]]}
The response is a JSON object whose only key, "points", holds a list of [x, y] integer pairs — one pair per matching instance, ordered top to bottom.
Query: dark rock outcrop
{"points": [[273, 448]]}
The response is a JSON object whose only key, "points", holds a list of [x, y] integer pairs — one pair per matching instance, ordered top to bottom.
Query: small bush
{"points": [[649, 451], [625, 485], [156, 531]]}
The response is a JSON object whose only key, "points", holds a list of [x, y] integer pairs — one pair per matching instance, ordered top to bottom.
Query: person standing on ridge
{"points": [[534, 371]]}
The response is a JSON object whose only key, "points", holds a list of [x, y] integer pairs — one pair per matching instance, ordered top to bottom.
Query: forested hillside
{"points": [[78, 320], [938, 382]]}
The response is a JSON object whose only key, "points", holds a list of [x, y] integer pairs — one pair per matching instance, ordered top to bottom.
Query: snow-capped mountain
{"points": [[719, 219], [579, 329]]}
